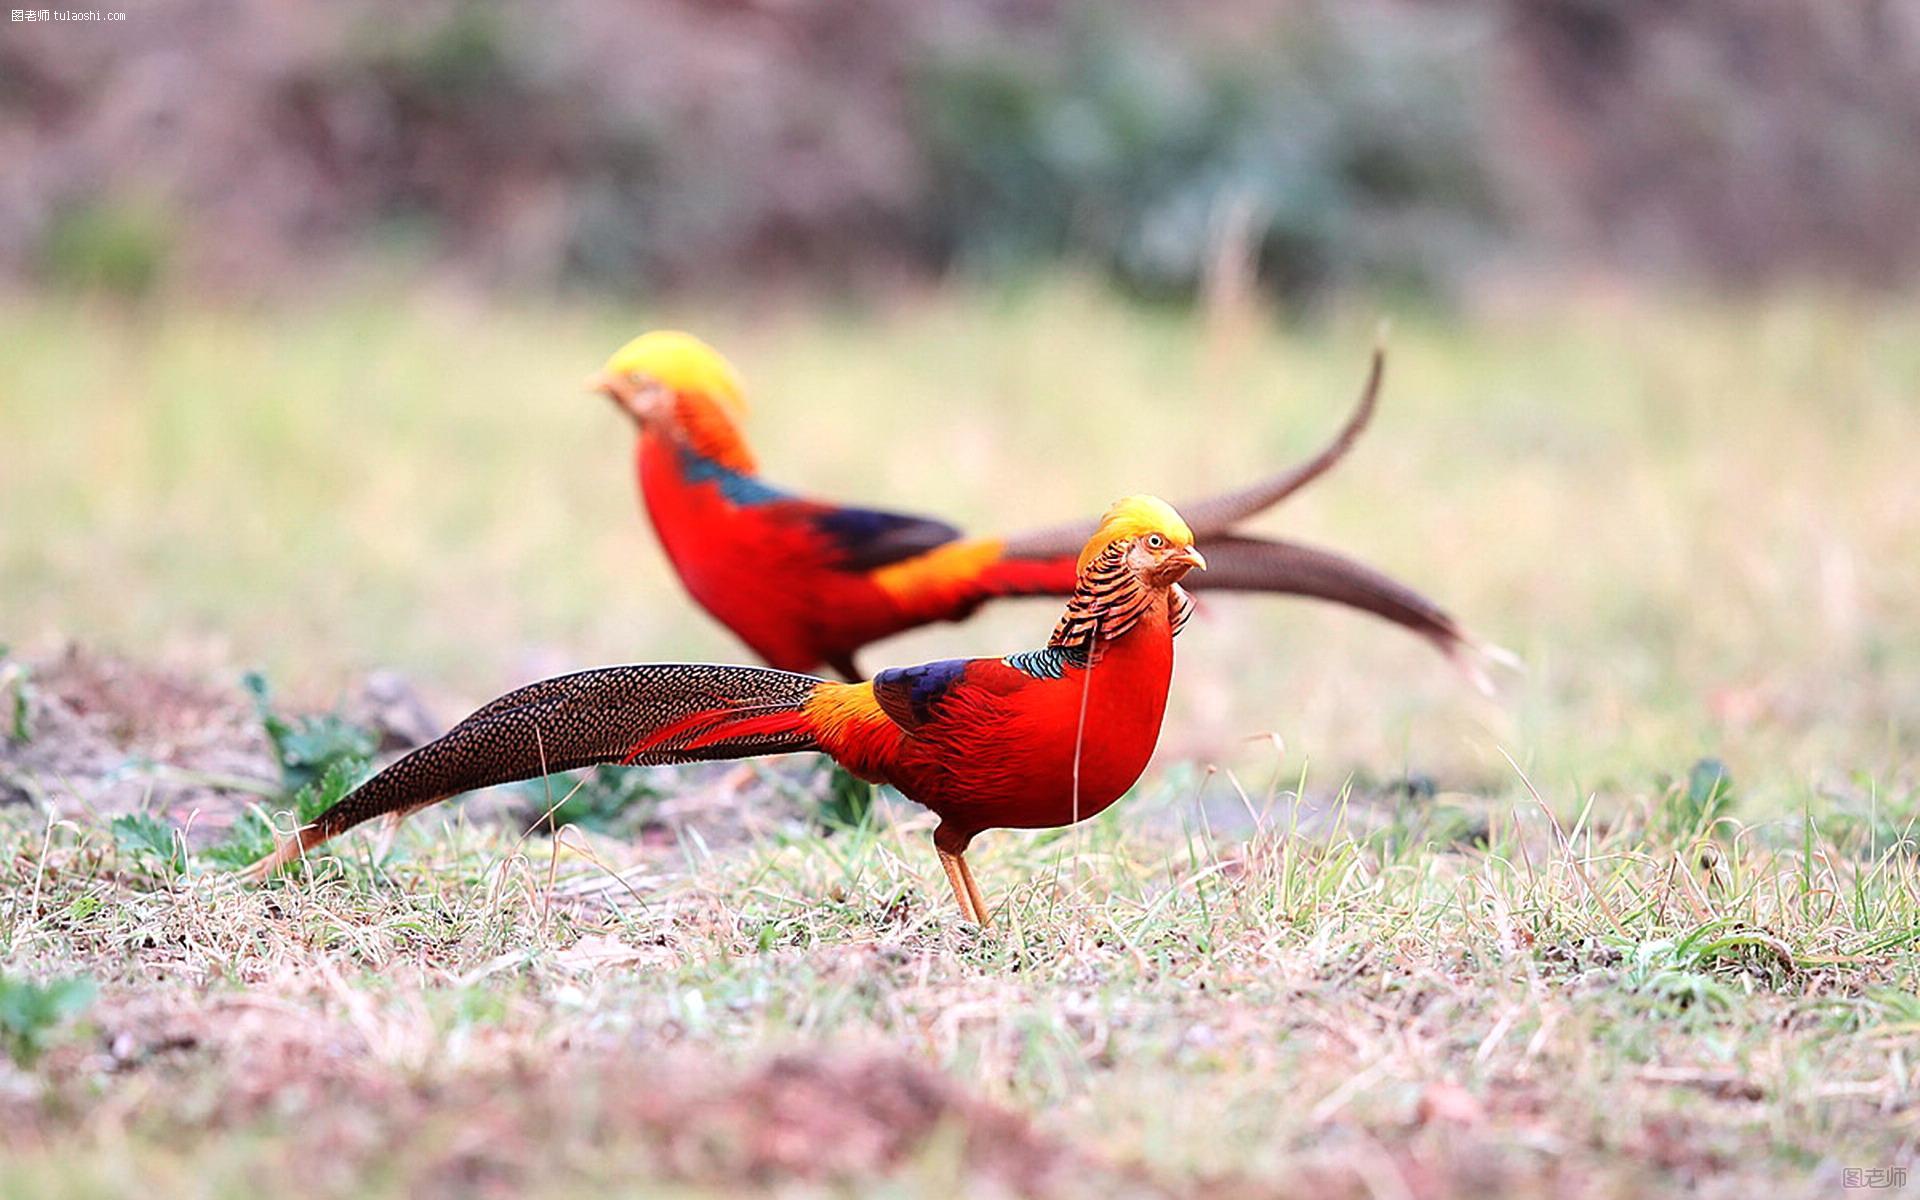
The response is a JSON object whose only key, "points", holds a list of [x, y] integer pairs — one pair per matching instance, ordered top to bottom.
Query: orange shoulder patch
{"points": [[834, 707], [850, 725]]}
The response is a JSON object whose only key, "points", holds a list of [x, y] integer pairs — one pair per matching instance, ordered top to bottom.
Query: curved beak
{"points": [[606, 384], [621, 390], [1176, 566]]}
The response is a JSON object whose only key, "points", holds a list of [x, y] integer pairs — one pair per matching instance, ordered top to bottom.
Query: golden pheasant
{"points": [[807, 583], [1033, 740]]}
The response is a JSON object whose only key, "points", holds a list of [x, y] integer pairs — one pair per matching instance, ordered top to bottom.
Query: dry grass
{"points": [[1694, 523], [1449, 1001]]}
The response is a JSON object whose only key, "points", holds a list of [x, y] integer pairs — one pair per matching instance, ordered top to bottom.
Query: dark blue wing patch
{"points": [[868, 538], [912, 695]]}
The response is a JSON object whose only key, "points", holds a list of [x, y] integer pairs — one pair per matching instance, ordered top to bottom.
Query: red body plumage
{"points": [[770, 567], [1007, 749]]}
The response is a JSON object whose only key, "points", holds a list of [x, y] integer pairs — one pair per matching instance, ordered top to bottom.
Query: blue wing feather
{"points": [[868, 538], [912, 695]]}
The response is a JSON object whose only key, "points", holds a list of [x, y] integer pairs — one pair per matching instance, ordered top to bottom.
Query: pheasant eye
{"points": [[1155, 541]]}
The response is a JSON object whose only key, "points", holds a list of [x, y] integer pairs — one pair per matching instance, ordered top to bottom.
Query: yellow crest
{"points": [[681, 362], [1135, 517]]}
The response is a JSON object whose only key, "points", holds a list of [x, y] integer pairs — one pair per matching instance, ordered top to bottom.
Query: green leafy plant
{"points": [[307, 748], [321, 759], [253, 835], [150, 842], [1692, 972], [1669, 973], [31, 1013]]}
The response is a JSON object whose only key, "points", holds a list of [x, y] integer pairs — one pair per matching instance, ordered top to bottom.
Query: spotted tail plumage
{"points": [[647, 714]]}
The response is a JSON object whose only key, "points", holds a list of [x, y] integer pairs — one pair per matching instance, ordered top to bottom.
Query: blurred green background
{"points": [[639, 148], [295, 302]]}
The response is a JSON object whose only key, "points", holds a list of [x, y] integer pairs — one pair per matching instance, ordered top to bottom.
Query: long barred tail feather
{"points": [[1216, 515], [1250, 564], [645, 714]]}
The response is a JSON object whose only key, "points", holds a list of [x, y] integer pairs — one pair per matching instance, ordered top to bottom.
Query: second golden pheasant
{"points": [[807, 583]]}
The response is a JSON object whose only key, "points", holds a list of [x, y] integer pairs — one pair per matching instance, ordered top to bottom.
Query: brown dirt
{"points": [[109, 736], [256, 1063], [504, 1118]]}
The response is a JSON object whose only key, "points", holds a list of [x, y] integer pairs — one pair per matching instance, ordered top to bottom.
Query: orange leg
{"points": [[961, 882], [982, 913]]}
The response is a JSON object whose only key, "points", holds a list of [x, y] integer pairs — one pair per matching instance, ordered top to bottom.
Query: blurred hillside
{"points": [[632, 146]]}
